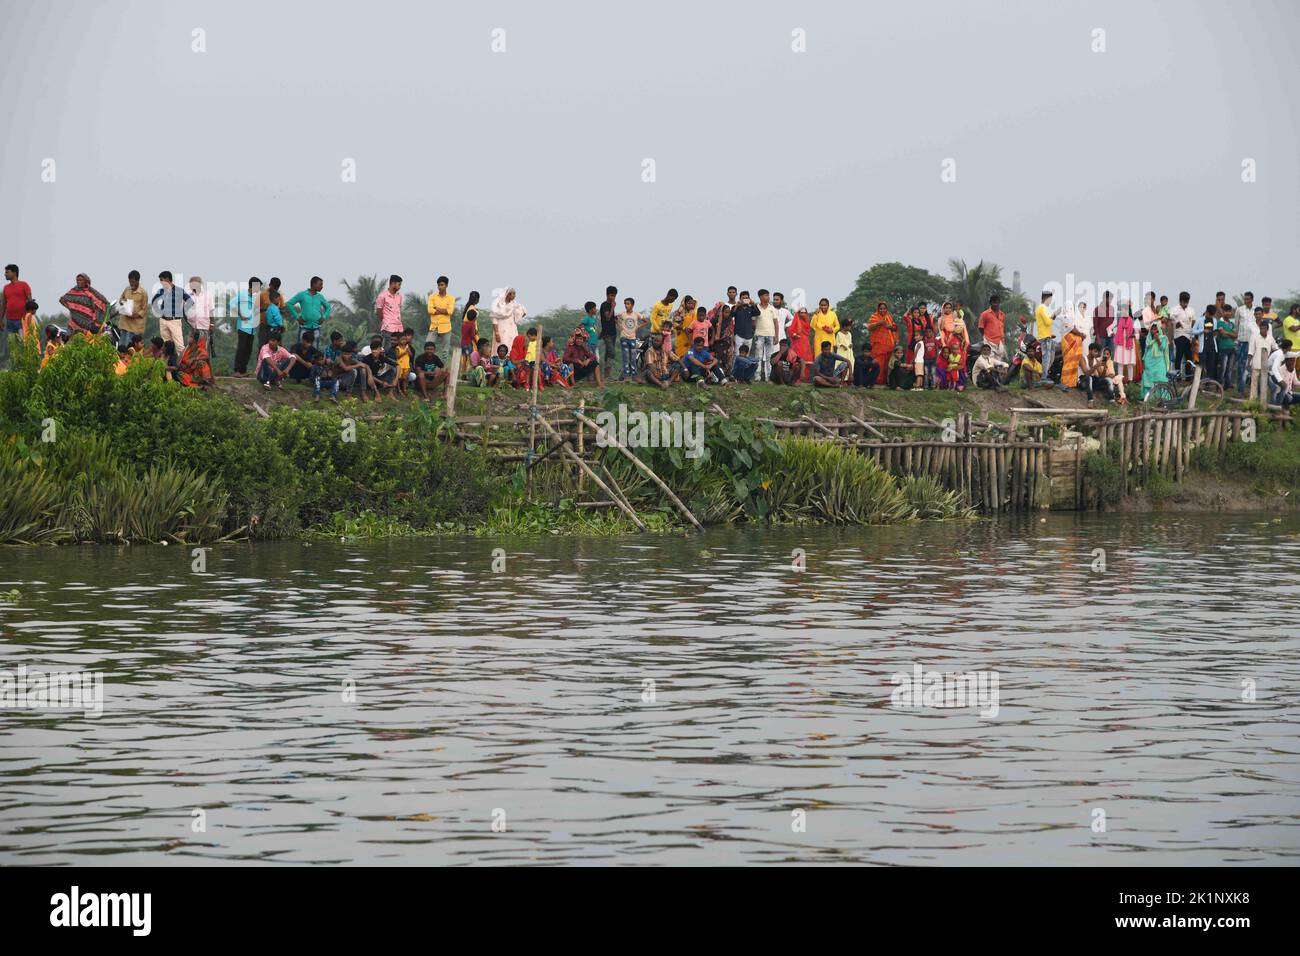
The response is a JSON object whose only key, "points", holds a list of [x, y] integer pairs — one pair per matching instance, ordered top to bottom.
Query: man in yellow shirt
{"points": [[441, 307], [661, 310], [1044, 319]]}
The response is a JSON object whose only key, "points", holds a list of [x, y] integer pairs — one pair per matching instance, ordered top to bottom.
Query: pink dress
{"points": [[1125, 341]]}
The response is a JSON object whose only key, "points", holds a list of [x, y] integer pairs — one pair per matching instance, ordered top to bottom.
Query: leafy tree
{"points": [[900, 286], [558, 322]]}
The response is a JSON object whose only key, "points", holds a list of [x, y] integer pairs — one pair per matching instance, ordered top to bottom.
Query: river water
{"points": [[675, 700]]}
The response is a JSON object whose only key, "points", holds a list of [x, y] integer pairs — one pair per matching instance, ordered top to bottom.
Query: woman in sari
{"points": [[507, 313], [682, 320], [799, 332], [883, 335], [724, 337], [1071, 354], [519, 358], [1155, 359], [194, 369]]}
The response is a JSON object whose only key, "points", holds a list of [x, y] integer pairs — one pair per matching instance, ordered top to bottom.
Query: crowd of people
{"points": [[738, 339]]}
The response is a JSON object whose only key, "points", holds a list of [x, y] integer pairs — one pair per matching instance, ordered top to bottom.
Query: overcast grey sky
{"points": [[772, 168]]}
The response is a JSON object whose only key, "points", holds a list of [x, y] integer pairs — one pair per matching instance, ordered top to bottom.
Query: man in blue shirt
{"points": [[244, 305], [310, 307]]}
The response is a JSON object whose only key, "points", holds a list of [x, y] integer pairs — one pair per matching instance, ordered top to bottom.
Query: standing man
{"points": [[17, 292], [730, 300], [171, 305], [442, 305], [132, 306], [246, 306], [310, 308], [388, 310], [660, 313], [201, 315], [782, 317], [742, 318], [1184, 319], [1103, 323], [993, 326], [1044, 331], [609, 332], [1245, 332], [764, 335]]}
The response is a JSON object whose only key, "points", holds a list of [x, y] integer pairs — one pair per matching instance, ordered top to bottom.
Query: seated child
{"points": [[744, 367]]}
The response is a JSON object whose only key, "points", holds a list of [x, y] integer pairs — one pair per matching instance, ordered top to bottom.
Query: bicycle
{"points": [[1173, 393]]}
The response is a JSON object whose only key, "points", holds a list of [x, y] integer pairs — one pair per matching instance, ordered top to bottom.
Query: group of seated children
{"points": [[515, 366], [375, 370]]}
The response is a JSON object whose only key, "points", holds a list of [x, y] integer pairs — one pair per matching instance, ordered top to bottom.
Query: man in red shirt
{"points": [[17, 292], [1103, 319], [993, 326]]}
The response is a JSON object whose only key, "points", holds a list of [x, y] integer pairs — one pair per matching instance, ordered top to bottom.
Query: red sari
{"points": [[518, 355]]}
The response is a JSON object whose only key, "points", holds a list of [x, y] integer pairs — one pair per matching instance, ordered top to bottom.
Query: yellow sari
{"points": [[1071, 353]]}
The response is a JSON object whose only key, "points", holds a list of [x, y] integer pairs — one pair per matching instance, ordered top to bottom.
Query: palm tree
{"points": [[974, 285], [361, 299]]}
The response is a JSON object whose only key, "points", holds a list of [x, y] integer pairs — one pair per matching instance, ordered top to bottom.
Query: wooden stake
{"points": [[644, 469]]}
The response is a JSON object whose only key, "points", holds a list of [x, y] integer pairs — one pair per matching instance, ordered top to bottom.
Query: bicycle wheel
{"points": [[1211, 393], [1162, 395]]}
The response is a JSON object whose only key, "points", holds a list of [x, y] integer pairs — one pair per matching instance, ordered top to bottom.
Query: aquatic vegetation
{"points": [[819, 481], [930, 500]]}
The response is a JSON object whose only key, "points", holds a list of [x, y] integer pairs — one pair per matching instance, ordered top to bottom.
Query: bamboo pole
{"points": [[453, 377], [582, 404], [869, 428], [583, 466], [643, 468]]}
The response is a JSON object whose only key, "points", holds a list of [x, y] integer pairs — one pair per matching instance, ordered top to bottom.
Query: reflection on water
{"points": [[524, 697]]}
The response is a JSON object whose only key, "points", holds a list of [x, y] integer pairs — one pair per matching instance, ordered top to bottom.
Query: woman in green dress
{"points": [[1155, 359]]}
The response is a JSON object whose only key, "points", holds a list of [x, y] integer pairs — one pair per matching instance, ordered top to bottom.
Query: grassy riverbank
{"points": [[89, 455]]}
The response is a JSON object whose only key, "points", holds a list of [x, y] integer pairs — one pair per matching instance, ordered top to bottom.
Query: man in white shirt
{"points": [[783, 315], [1184, 321], [1245, 332], [765, 334], [1260, 349], [1276, 362], [989, 371], [1286, 380]]}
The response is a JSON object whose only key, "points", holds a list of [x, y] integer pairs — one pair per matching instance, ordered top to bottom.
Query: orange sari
{"points": [[884, 336], [195, 369]]}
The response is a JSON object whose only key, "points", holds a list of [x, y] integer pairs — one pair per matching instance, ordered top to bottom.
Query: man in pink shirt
{"points": [[388, 309], [200, 317]]}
